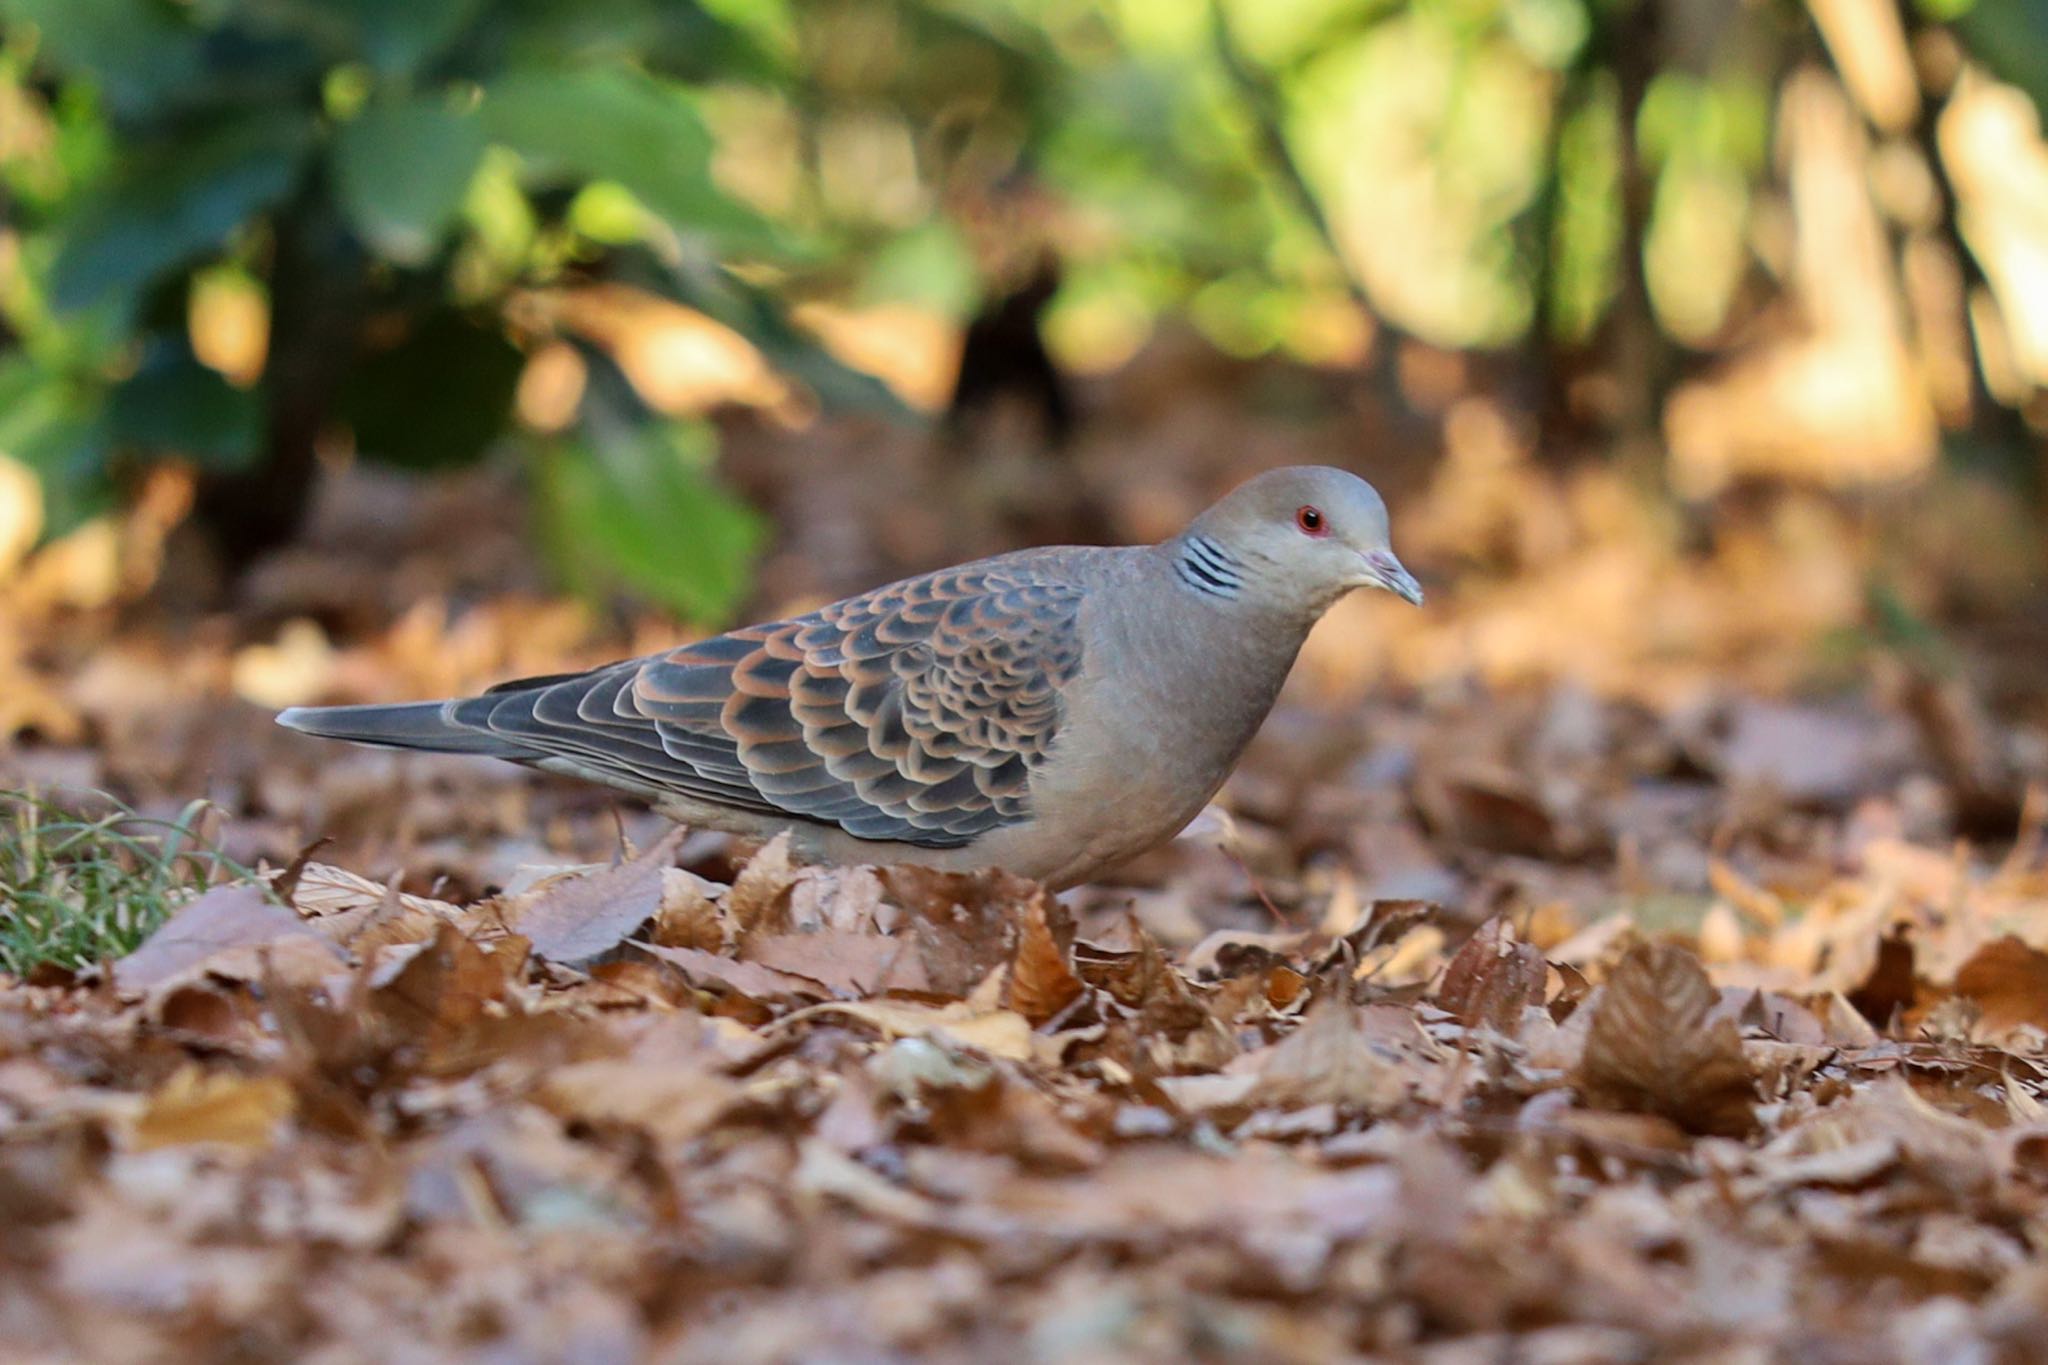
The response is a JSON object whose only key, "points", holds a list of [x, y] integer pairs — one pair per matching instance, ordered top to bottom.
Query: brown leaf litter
{"points": [[830, 1131]]}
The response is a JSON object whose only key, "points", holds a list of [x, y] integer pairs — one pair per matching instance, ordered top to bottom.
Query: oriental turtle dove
{"points": [[1050, 711]]}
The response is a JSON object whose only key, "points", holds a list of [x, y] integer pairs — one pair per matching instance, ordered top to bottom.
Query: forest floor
{"points": [[1641, 952]]}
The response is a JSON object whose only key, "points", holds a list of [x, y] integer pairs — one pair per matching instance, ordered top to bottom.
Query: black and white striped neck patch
{"points": [[1208, 568]]}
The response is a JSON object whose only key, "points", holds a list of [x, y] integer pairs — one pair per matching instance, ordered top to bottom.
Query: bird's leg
{"points": [[1227, 841], [1258, 889]]}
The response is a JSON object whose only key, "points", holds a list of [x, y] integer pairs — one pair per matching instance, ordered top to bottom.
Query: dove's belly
{"points": [[1114, 790]]}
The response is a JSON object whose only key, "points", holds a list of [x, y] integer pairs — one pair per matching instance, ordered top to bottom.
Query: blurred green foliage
{"points": [[387, 176], [391, 178]]}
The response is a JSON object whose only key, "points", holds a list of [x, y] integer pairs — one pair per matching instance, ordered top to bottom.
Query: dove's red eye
{"points": [[1311, 521]]}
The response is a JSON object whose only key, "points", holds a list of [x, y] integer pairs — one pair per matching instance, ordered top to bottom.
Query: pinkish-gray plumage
{"points": [[1049, 711]]}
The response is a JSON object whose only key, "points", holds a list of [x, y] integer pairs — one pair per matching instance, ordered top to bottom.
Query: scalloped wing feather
{"points": [[916, 712]]}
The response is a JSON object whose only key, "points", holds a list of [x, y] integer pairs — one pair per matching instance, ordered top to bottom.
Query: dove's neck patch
{"points": [[1208, 568]]}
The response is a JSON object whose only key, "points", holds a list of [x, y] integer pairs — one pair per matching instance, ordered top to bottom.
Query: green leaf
{"points": [[397, 36], [676, 37], [2011, 38], [137, 51], [574, 127], [401, 171], [171, 200], [436, 399], [173, 405], [53, 424], [636, 507]]}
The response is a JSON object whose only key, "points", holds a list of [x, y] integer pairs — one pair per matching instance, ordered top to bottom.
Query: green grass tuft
{"points": [[81, 887]]}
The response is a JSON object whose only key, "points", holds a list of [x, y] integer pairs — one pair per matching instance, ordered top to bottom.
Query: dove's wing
{"points": [[915, 712]]}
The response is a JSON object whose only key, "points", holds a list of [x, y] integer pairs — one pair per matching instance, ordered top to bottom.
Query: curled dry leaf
{"points": [[1493, 809], [847, 899], [759, 900], [361, 914], [689, 917], [962, 922], [1493, 978], [1041, 980], [2009, 982], [1890, 988], [440, 1005], [1654, 1049], [198, 1106], [1943, 1149]]}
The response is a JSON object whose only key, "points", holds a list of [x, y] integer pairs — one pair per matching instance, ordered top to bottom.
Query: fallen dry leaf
{"points": [[758, 902], [363, 915], [689, 917], [573, 920], [222, 927], [841, 961], [1493, 978], [750, 979], [2009, 982], [1041, 983], [443, 1005], [998, 1032], [1654, 1049], [1368, 1058], [670, 1103], [196, 1106]]}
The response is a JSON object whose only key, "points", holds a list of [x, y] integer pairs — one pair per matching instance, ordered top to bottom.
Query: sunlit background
{"points": [[360, 349]]}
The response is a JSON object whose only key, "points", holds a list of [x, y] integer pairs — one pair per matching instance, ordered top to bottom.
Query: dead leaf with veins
{"points": [[1654, 1047]]}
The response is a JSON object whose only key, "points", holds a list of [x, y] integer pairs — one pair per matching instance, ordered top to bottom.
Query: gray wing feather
{"points": [[915, 713]]}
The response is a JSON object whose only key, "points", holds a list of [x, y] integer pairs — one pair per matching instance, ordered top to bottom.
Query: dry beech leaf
{"points": [[1491, 809], [848, 899], [759, 900], [362, 914], [689, 917], [577, 919], [223, 922], [963, 922], [843, 962], [1493, 978], [750, 979], [1041, 982], [2009, 982], [632, 983], [1285, 987], [1890, 988], [440, 1003], [230, 1019], [1842, 1024], [1000, 1033], [1653, 1048], [1341, 1055], [671, 1103], [197, 1106], [1007, 1116], [1947, 1151]]}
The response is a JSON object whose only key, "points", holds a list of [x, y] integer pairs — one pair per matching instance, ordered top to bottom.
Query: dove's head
{"points": [[1302, 536]]}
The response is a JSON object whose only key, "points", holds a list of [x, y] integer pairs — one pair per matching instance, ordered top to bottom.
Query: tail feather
{"points": [[409, 725]]}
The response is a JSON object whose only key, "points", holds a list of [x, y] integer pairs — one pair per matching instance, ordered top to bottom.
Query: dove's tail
{"points": [[408, 725]]}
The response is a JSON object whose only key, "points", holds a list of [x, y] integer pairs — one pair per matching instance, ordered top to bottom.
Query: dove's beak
{"points": [[1382, 570]]}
